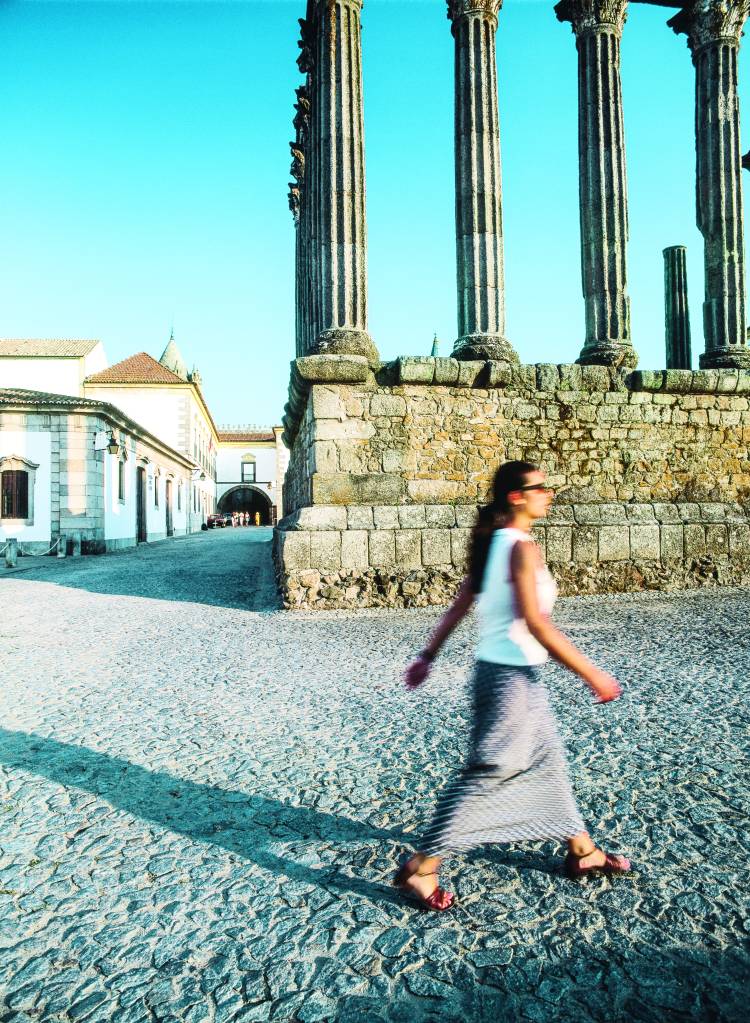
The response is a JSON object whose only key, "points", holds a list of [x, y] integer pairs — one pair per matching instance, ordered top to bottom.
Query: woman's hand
{"points": [[417, 672], [605, 686]]}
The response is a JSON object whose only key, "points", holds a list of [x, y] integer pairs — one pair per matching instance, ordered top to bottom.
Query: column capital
{"points": [[463, 8], [593, 15], [708, 22], [295, 201]]}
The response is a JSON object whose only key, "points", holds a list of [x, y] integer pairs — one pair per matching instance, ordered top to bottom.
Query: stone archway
{"points": [[247, 498]]}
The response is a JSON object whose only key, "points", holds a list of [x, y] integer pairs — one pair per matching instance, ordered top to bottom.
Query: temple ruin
{"points": [[389, 460]]}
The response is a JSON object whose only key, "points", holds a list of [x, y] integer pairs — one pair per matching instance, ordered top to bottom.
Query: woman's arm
{"points": [[524, 561], [419, 669]]}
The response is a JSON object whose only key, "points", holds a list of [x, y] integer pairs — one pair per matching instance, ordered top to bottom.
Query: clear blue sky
{"points": [[145, 164]]}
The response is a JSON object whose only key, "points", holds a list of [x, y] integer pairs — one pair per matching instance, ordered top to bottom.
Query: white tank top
{"points": [[504, 637]]}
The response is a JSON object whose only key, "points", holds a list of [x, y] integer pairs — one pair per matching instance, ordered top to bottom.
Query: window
{"points": [[248, 469], [17, 476], [121, 481], [156, 490], [15, 494], [179, 497]]}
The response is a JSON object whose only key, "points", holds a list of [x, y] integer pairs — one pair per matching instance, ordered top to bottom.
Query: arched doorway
{"points": [[247, 499]]}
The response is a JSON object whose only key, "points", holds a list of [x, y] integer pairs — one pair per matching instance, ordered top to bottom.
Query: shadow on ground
{"points": [[231, 569]]}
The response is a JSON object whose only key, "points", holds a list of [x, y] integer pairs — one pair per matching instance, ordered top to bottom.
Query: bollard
{"points": [[62, 546], [75, 549], [11, 553]]}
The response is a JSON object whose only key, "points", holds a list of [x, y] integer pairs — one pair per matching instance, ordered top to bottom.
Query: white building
{"points": [[56, 367], [168, 402], [73, 466], [250, 469]]}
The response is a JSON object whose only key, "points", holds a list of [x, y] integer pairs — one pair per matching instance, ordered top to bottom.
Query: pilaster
{"points": [[598, 26], [713, 29]]}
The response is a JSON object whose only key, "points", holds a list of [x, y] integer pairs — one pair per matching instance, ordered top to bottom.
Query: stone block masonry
{"points": [[389, 465]]}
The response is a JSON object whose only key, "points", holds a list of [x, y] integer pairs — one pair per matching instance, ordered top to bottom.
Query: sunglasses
{"points": [[536, 486]]}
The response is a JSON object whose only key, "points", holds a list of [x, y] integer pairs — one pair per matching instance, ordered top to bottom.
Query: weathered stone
{"points": [[340, 369], [416, 370], [446, 371], [469, 372], [499, 374], [327, 403], [387, 405], [343, 430], [325, 457], [394, 461], [347, 488], [430, 491], [689, 512], [560, 513], [640, 513], [667, 513], [611, 514], [440, 515], [466, 515], [412, 516], [318, 517], [359, 517], [385, 517], [694, 537], [672, 538], [717, 541], [645, 542], [460, 543], [559, 543], [614, 543], [585, 545], [436, 547], [382, 548], [408, 548], [355, 549], [294, 550], [325, 551]]}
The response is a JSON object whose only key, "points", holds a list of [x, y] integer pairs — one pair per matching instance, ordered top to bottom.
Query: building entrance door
{"points": [[168, 501], [141, 533]]}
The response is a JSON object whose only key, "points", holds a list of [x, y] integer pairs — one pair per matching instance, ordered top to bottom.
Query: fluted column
{"points": [[598, 25], [713, 29], [479, 215], [338, 242], [676, 313]]}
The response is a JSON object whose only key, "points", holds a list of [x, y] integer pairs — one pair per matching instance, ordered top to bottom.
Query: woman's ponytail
{"points": [[509, 477]]}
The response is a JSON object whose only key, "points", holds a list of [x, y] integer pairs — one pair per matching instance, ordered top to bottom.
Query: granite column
{"points": [[598, 25], [713, 29], [479, 216], [676, 313]]}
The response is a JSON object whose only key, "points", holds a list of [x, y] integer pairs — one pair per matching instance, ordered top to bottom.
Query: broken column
{"points": [[598, 25], [713, 29], [676, 312]]}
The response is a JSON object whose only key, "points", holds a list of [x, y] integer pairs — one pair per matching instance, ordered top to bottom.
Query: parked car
{"points": [[216, 519]]}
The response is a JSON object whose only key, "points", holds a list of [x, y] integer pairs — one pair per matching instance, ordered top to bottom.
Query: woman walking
{"points": [[514, 785]]}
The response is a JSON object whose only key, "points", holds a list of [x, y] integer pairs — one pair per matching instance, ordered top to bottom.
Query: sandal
{"points": [[612, 865], [438, 900]]}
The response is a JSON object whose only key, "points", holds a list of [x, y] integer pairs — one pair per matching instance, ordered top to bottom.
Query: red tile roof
{"points": [[34, 348], [138, 369]]}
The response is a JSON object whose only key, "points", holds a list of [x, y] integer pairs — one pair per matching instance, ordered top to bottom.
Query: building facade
{"points": [[52, 366], [80, 469], [250, 469]]}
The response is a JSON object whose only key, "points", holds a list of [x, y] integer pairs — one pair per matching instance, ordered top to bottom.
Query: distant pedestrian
{"points": [[247, 518], [257, 518], [514, 785]]}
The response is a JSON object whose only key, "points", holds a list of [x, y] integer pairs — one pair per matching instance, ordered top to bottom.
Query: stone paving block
{"points": [[645, 542], [672, 542], [614, 543], [436, 547], [382, 548], [408, 548]]}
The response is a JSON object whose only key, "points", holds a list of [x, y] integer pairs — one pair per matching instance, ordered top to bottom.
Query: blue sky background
{"points": [[145, 164]]}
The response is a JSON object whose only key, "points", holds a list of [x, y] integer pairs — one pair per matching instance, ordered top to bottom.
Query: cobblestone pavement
{"points": [[202, 805]]}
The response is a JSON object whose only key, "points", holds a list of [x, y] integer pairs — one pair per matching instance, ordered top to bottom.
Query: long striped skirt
{"points": [[514, 785]]}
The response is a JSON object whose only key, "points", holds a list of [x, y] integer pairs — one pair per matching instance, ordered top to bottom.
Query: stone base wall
{"points": [[388, 468]]}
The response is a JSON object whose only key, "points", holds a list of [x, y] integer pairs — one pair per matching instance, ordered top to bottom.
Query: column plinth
{"points": [[598, 25], [714, 29], [479, 217], [676, 313]]}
